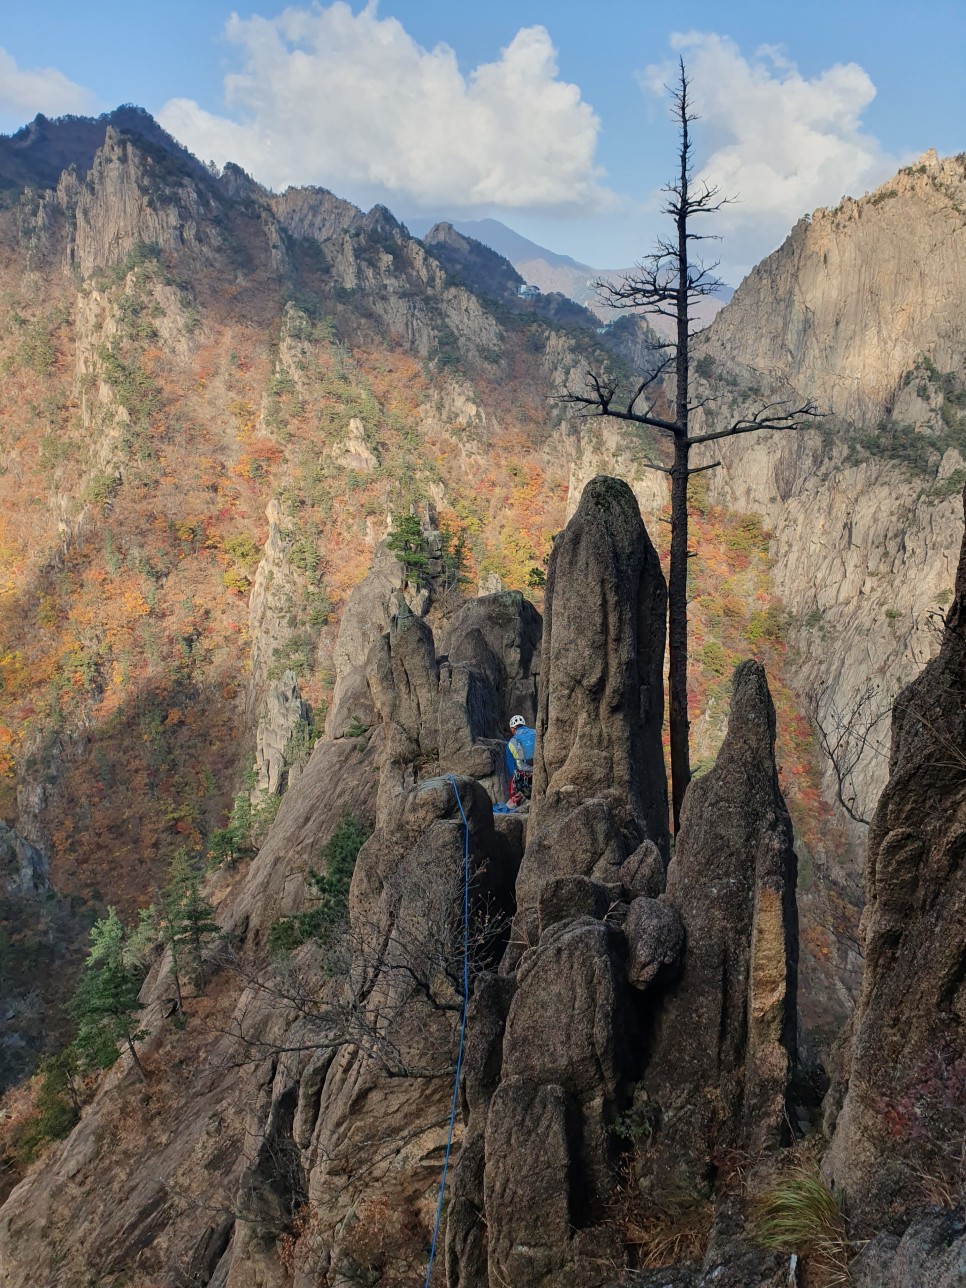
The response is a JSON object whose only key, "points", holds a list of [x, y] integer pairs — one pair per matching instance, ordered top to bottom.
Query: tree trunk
{"points": [[677, 590], [677, 635], [135, 1058]]}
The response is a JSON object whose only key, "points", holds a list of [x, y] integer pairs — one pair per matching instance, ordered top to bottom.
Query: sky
{"points": [[551, 116]]}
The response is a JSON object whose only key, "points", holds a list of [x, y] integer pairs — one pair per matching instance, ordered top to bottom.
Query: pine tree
{"points": [[408, 541], [187, 921], [105, 1003]]}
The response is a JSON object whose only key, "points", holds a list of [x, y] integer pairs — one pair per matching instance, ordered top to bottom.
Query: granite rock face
{"points": [[861, 311], [602, 691], [725, 1038], [907, 1069], [324, 1077], [532, 1188], [932, 1251]]}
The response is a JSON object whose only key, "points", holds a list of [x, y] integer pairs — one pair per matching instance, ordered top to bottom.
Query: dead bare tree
{"points": [[669, 283], [852, 737], [390, 987]]}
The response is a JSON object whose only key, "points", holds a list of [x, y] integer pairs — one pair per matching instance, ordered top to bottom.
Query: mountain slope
{"points": [[183, 351]]}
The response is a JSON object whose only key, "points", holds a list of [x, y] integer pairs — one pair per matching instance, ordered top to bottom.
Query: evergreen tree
{"points": [[408, 541], [330, 890], [187, 920], [105, 1003]]}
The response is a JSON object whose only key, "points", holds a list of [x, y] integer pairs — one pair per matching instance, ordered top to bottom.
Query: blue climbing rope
{"points": [[466, 998]]}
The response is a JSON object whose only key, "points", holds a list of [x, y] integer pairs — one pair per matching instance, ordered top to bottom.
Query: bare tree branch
{"points": [[763, 418], [851, 738]]}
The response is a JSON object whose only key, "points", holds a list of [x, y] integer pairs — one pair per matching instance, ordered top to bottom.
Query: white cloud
{"points": [[24, 93], [349, 100], [780, 142]]}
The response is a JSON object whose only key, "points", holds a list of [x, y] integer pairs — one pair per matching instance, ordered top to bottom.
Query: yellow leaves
{"points": [[244, 414], [133, 603], [13, 671], [8, 752]]}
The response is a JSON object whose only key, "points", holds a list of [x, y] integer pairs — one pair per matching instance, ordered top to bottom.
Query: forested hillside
{"points": [[182, 348]]}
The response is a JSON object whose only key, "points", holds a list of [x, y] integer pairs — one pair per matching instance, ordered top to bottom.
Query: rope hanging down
{"points": [[466, 998]]}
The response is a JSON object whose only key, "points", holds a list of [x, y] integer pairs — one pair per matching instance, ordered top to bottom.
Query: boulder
{"points": [[583, 841], [643, 873], [566, 898], [655, 940], [565, 1023]]}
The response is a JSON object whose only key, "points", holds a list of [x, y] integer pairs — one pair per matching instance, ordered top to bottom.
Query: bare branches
{"points": [[654, 286], [602, 392], [767, 417], [852, 738], [388, 986]]}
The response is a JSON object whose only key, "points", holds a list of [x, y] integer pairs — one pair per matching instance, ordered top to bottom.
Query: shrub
{"points": [[243, 548], [330, 890], [57, 1108]]}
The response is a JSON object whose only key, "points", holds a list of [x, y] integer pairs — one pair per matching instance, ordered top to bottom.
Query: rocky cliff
{"points": [[859, 310], [212, 357], [218, 402], [899, 1124], [290, 1130]]}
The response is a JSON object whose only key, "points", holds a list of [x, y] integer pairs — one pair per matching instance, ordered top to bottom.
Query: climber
{"points": [[519, 761]]}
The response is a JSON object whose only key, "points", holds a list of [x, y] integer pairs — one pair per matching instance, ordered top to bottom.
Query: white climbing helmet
{"points": [[517, 722]]}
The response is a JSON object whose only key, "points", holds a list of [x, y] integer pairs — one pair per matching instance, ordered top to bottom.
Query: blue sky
{"points": [[547, 116]]}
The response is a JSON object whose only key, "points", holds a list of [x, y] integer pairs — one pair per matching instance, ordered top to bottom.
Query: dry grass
{"points": [[799, 1213], [672, 1230], [666, 1236]]}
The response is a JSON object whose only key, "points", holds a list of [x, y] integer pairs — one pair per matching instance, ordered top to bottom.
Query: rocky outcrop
{"points": [[116, 209], [859, 310], [855, 325], [274, 593], [364, 619], [499, 633], [274, 701], [452, 711], [281, 713], [599, 756], [24, 872], [724, 1046], [907, 1068], [327, 1086], [536, 1170], [932, 1251]]}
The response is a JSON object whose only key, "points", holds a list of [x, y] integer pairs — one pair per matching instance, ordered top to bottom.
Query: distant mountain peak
{"points": [[38, 153], [505, 241]]}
